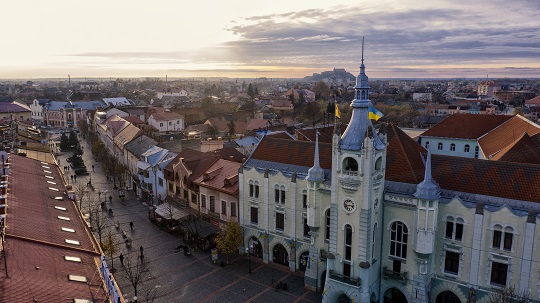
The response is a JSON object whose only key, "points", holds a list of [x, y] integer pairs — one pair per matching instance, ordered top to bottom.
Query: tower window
{"points": [[350, 164], [304, 199], [327, 225], [348, 251]]}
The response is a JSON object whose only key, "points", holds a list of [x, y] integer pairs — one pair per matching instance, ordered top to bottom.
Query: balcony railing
{"points": [[353, 173], [390, 274], [343, 279]]}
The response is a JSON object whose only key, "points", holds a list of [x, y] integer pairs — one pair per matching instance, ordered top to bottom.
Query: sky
{"points": [[273, 39]]}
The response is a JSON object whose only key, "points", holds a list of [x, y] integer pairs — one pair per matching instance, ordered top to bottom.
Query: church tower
{"points": [[358, 166]]}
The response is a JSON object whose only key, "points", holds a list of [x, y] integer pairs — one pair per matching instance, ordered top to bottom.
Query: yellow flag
{"points": [[338, 113]]}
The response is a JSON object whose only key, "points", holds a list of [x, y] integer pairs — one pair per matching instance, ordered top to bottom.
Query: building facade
{"points": [[374, 217]]}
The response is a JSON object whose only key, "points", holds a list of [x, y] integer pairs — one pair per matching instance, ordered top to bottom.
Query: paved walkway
{"points": [[171, 275]]}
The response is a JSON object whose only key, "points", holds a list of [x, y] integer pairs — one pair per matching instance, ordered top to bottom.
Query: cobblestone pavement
{"points": [[171, 275]]}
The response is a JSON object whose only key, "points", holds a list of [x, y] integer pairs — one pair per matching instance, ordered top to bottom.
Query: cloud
{"points": [[451, 38]]}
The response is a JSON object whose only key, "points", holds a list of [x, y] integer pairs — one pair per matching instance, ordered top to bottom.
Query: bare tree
{"points": [[80, 191], [98, 221], [134, 270], [149, 292], [509, 295]]}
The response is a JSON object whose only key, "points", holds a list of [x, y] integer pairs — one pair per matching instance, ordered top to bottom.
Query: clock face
{"points": [[349, 205]]}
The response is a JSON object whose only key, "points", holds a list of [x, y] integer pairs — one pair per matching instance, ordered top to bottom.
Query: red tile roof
{"points": [[534, 101], [466, 126], [505, 134], [523, 150], [292, 152], [404, 162], [221, 176], [492, 178], [36, 244]]}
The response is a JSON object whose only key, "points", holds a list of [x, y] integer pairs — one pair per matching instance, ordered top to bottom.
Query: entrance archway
{"points": [[255, 247], [281, 256], [303, 260], [394, 295], [447, 297], [343, 299]]}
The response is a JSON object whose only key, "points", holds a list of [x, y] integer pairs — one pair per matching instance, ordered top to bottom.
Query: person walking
{"points": [[92, 167], [75, 177], [71, 178], [110, 199], [131, 226], [121, 257]]}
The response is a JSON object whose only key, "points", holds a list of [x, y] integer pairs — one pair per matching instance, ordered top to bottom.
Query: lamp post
{"points": [[249, 258]]}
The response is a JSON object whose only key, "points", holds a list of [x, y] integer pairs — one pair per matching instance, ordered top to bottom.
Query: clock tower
{"points": [[358, 165]]}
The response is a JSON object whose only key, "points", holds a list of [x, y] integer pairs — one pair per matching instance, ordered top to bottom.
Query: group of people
{"points": [[66, 168], [73, 177]]}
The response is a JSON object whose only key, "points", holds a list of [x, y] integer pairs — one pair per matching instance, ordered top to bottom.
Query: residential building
{"points": [[166, 121], [476, 136], [218, 187]]}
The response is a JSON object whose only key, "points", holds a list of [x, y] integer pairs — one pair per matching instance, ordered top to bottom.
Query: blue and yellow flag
{"points": [[338, 113], [374, 114]]}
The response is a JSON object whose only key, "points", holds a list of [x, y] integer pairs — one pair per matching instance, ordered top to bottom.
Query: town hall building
{"points": [[372, 216]]}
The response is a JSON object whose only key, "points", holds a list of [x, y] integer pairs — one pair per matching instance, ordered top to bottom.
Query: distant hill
{"points": [[336, 75]]}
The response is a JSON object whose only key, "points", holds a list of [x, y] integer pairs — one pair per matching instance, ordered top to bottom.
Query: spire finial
{"points": [[362, 49], [316, 173]]}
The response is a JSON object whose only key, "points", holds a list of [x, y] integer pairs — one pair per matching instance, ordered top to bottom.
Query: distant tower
{"points": [[358, 165]]}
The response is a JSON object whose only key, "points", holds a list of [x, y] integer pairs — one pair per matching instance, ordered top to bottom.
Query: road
{"points": [[174, 277]]}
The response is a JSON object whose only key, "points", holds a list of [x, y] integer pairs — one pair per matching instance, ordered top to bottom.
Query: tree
{"points": [[251, 92], [312, 112], [231, 128], [72, 140], [64, 142], [98, 221], [230, 239], [110, 247], [134, 269], [509, 295]]}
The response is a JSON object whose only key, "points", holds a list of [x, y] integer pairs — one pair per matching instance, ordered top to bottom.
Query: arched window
{"points": [[427, 144], [440, 146], [452, 147], [467, 148], [378, 163], [350, 164], [253, 189], [279, 194], [304, 199], [327, 225], [454, 228], [503, 237], [398, 240], [348, 251]]}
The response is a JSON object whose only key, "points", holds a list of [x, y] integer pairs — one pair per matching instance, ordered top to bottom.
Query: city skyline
{"points": [[241, 39]]}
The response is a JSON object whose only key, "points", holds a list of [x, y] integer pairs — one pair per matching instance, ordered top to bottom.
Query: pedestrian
{"points": [[92, 167], [75, 177], [71, 178], [110, 199], [131, 226], [142, 250], [121, 257]]}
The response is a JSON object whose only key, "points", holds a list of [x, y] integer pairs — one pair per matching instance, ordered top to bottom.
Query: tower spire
{"points": [[354, 135], [316, 173], [428, 188]]}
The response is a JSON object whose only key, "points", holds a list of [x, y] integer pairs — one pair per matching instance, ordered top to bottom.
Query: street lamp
{"points": [[249, 258]]}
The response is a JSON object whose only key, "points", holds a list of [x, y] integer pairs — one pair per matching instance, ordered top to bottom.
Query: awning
{"points": [[168, 211]]}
